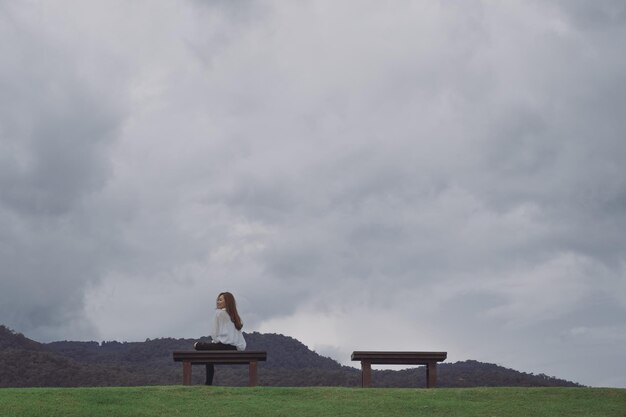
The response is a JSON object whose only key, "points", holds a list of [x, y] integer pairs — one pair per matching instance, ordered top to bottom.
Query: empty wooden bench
{"points": [[220, 357], [429, 359]]}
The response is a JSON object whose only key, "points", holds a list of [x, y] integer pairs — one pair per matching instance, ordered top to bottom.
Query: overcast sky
{"points": [[408, 175]]}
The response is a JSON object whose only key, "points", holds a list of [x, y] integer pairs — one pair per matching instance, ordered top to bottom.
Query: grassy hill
{"points": [[319, 402]]}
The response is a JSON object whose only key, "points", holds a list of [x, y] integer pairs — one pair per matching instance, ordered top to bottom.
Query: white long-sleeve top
{"points": [[224, 330]]}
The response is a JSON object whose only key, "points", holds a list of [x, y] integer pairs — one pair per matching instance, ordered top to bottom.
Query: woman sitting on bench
{"points": [[226, 331]]}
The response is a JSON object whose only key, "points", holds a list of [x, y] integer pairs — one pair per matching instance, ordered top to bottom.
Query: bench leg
{"points": [[186, 373], [366, 374], [431, 375], [254, 376]]}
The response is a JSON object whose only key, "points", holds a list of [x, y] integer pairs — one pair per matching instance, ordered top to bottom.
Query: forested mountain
{"points": [[24, 362]]}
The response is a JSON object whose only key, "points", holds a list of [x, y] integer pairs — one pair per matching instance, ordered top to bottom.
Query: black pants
{"points": [[210, 369]]}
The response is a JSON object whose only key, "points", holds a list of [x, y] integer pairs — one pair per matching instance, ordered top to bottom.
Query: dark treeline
{"points": [[27, 363]]}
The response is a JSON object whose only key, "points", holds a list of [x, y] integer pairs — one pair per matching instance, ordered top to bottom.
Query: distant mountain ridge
{"points": [[24, 362]]}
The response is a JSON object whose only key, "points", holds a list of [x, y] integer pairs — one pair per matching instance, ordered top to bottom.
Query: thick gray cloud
{"points": [[57, 123], [424, 176]]}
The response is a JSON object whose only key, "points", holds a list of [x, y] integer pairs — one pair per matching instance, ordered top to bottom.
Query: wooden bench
{"points": [[220, 357], [429, 359]]}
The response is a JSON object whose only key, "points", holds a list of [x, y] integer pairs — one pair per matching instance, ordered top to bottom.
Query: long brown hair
{"points": [[231, 309]]}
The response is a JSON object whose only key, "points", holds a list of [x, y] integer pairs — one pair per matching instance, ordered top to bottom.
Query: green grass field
{"points": [[318, 402]]}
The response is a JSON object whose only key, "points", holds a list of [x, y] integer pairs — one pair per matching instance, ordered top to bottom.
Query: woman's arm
{"points": [[220, 320]]}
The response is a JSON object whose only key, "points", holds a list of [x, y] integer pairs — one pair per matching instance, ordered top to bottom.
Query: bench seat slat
{"points": [[219, 356], [399, 358]]}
